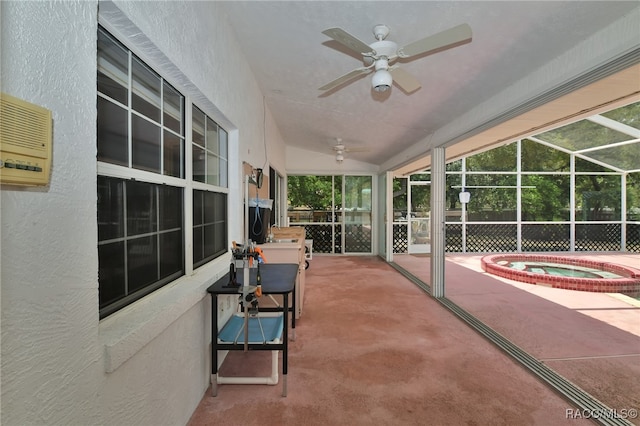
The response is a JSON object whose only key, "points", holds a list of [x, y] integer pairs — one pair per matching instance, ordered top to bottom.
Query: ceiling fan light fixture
{"points": [[381, 81], [339, 158]]}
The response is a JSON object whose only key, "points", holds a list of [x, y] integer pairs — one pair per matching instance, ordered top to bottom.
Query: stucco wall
{"points": [[51, 355], [149, 363]]}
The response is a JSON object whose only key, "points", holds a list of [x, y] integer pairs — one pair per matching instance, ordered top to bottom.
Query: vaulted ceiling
{"points": [[520, 53]]}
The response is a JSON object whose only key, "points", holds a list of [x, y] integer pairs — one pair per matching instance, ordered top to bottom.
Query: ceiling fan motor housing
{"points": [[384, 49], [382, 64]]}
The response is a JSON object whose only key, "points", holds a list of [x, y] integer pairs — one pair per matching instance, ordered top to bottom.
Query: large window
{"points": [[144, 176]]}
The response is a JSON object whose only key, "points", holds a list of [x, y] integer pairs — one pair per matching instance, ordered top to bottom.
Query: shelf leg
{"points": [[284, 385]]}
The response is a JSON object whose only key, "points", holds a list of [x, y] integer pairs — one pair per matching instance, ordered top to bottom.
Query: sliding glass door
{"points": [[334, 210]]}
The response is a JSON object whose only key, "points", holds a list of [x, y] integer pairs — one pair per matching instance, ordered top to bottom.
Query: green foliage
{"points": [[629, 115], [583, 134], [538, 157], [498, 159], [454, 166], [586, 166], [420, 177], [400, 186], [453, 189], [313, 192], [358, 192], [633, 196], [598, 197], [420, 198], [492, 198], [548, 200]]}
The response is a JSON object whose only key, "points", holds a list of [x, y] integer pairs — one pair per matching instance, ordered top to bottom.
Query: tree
{"points": [[313, 192], [633, 196], [547, 200]]}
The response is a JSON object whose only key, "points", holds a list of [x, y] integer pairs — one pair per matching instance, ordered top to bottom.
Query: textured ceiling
{"points": [[291, 59]]}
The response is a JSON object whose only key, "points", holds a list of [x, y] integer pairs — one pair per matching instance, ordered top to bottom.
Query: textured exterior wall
{"points": [[50, 350], [55, 351]]}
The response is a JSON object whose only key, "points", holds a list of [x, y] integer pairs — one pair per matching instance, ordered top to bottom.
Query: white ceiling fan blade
{"points": [[346, 39], [444, 40], [345, 78], [405, 80]]}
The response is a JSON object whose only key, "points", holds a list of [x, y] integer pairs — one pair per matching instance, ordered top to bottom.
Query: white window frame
{"points": [[187, 184]]}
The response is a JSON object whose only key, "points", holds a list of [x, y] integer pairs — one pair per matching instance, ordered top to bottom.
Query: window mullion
{"points": [[129, 115], [162, 130], [188, 193], [157, 232], [126, 238]]}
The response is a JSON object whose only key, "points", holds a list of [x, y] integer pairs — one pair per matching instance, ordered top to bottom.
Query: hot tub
{"points": [[570, 273]]}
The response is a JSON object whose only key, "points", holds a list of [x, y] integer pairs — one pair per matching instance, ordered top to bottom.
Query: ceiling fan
{"points": [[380, 55], [340, 148]]}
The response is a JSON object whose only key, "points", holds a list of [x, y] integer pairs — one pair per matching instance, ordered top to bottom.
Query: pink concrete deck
{"points": [[592, 339], [373, 349]]}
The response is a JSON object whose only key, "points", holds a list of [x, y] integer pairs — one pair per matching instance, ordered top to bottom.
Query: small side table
{"points": [[277, 278]]}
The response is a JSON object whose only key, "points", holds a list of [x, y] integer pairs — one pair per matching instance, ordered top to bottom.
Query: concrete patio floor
{"points": [[592, 339], [372, 348]]}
